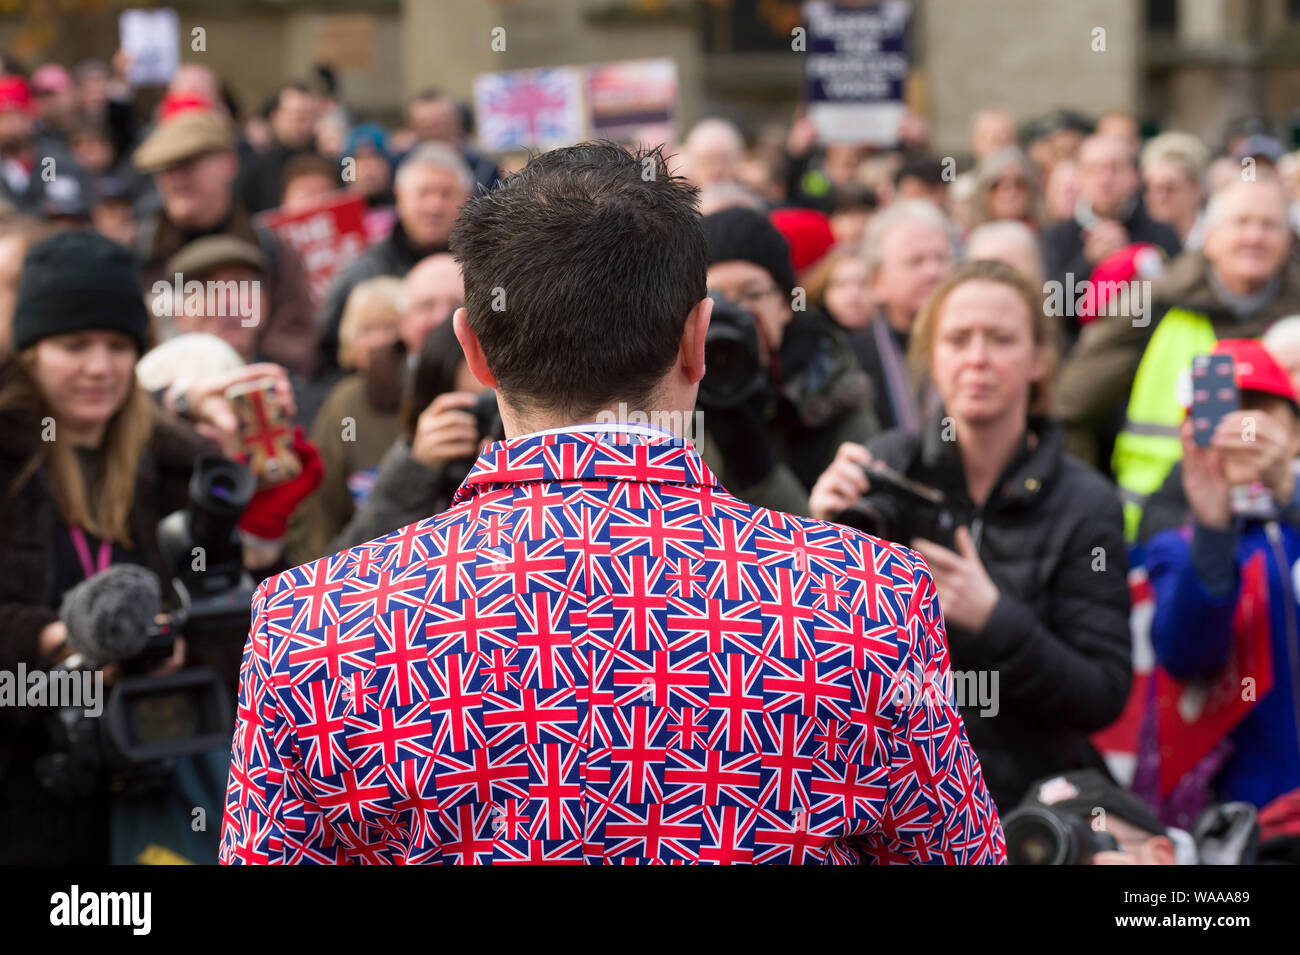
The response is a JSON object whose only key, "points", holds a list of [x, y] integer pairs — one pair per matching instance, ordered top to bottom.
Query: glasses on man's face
{"points": [[1012, 182]]}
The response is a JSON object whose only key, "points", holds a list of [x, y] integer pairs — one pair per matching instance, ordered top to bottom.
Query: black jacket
{"points": [[863, 341], [1051, 537], [36, 826]]}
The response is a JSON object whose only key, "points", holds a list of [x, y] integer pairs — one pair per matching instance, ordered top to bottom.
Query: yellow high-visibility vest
{"points": [[1148, 446]]}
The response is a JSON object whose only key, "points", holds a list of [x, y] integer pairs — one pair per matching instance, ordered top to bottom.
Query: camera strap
{"points": [[104, 558]]}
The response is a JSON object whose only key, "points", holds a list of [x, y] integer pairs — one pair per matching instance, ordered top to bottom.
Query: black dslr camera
{"points": [[733, 369], [487, 419], [899, 509], [149, 720], [1038, 835]]}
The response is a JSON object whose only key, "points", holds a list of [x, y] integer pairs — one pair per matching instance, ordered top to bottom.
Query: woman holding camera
{"points": [[441, 437], [88, 466], [1033, 582]]}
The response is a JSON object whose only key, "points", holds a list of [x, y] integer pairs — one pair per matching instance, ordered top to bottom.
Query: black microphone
{"points": [[109, 616]]}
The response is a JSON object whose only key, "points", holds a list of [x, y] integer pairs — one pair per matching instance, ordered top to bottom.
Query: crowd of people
{"points": [[1008, 328]]}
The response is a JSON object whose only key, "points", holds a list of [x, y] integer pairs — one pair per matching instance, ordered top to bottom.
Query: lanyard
{"points": [[83, 551]]}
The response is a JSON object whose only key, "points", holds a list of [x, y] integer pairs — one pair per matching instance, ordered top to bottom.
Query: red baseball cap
{"points": [[15, 93], [174, 103], [807, 232], [1134, 262], [1255, 369]]}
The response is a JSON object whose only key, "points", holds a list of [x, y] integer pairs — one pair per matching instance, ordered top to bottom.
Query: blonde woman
{"points": [[357, 422], [1032, 571]]}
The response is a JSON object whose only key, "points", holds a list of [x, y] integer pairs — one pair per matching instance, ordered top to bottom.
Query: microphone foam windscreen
{"points": [[109, 616]]}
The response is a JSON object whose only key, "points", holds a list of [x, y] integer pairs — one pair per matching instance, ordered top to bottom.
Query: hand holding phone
{"points": [[265, 432]]}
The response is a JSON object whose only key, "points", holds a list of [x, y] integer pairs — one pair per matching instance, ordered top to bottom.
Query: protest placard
{"points": [[855, 69], [327, 235]]}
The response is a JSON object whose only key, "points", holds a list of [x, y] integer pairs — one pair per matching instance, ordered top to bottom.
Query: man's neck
{"points": [[1121, 213], [213, 225], [418, 250], [1243, 286], [899, 320], [617, 416]]}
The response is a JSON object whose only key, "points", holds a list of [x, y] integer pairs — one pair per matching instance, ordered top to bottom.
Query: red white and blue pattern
{"points": [[529, 109], [598, 655]]}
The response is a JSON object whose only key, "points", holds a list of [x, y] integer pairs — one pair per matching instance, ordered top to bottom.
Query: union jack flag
{"points": [[529, 108], [597, 655]]}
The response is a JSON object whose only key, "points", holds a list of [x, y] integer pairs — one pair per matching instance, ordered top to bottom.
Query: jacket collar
{"points": [[406, 249], [1186, 284], [589, 452], [1025, 477]]}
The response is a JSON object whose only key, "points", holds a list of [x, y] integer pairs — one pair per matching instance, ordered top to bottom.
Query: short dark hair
{"points": [[308, 164], [927, 169], [593, 256]]}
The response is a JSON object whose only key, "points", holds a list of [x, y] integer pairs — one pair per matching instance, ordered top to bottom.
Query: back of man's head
{"points": [[579, 273]]}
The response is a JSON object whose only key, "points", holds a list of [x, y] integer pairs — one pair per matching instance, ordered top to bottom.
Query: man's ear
{"points": [[693, 337], [473, 350]]}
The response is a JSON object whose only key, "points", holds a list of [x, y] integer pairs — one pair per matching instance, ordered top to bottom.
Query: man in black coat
{"points": [[293, 131], [1108, 216]]}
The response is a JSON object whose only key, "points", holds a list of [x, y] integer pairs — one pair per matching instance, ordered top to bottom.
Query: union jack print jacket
{"points": [[598, 655]]}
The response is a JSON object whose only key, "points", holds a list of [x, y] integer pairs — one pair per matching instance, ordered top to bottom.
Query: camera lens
{"points": [[731, 358], [732, 367], [1036, 837]]}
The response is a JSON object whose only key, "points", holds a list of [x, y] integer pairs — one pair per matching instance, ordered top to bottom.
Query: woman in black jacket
{"points": [[89, 464], [1033, 580]]}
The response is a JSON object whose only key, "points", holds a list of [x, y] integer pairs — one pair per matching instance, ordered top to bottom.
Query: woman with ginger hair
{"points": [[1032, 575]]}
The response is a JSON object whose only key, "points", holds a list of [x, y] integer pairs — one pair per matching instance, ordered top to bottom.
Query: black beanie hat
{"points": [[740, 233], [79, 281]]}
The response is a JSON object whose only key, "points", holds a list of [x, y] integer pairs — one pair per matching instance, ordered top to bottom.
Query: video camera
{"points": [[900, 510], [150, 720]]}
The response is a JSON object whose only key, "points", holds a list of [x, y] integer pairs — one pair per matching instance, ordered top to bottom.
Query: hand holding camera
{"points": [[206, 402], [446, 430], [1245, 447], [843, 483], [913, 514]]}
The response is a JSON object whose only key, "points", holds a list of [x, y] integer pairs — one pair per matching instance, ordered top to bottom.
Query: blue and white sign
{"points": [[857, 62]]}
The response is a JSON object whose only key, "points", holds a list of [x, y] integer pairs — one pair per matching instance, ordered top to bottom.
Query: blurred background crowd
{"points": [[1000, 305]]}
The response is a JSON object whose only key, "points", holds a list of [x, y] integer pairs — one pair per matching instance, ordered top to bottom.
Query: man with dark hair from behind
{"points": [[597, 654]]}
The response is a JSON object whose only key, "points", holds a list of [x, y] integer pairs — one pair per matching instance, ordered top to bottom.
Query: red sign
{"points": [[328, 235]]}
